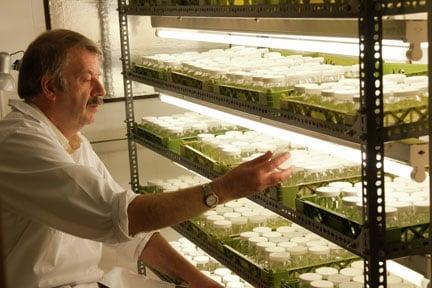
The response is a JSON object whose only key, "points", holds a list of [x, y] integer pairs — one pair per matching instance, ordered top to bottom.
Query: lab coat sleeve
{"points": [[40, 181]]}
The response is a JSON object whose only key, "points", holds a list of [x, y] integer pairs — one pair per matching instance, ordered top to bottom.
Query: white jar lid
{"points": [[399, 78], [313, 90], [232, 151], [340, 184], [327, 191], [351, 200], [233, 204], [222, 209], [242, 209], [391, 211], [250, 213], [269, 214], [230, 215], [212, 218], [239, 220], [222, 224], [285, 229], [262, 230], [249, 234], [271, 234], [313, 236], [255, 240], [300, 240], [316, 243], [287, 244], [263, 245], [274, 249], [297, 250], [319, 250], [279, 256], [200, 260], [358, 264], [326, 271], [221, 272], [351, 272], [309, 277], [216, 278], [230, 278], [338, 278], [234, 284], [321, 284], [350, 285]]}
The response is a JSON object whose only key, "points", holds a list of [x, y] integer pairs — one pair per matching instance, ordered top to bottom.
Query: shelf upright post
{"points": [[429, 20], [128, 93], [372, 147]]}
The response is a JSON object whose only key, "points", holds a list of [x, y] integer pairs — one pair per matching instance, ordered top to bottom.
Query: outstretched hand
{"points": [[252, 176]]}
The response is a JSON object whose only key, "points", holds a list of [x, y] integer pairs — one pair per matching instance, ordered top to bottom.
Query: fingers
{"points": [[263, 158], [276, 162], [277, 177]]}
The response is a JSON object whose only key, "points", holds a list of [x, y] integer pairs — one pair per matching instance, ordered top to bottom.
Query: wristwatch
{"points": [[211, 200]]}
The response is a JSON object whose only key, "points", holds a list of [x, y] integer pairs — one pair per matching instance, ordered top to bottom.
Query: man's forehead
{"points": [[80, 59]]}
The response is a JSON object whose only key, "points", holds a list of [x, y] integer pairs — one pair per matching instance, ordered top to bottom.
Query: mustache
{"points": [[95, 101]]}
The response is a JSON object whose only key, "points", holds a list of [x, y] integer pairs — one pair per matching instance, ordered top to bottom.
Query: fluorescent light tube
{"points": [[392, 49], [348, 153], [407, 274]]}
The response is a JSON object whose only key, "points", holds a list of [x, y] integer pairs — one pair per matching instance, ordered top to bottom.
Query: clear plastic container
{"points": [[328, 197], [349, 209], [422, 212], [392, 218], [239, 224], [222, 228], [262, 230], [300, 241], [252, 242], [318, 254], [260, 255], [298, 255], [279, 261], [203, 262], [351, 272], [230, 278], [306, 279], [336, 279]]}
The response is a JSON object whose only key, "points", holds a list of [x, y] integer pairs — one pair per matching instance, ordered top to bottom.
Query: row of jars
{"points": [[262, 70], [399, 91], [184, 125], [406, 201], [288, 247], [208, 265], [349, 277]]}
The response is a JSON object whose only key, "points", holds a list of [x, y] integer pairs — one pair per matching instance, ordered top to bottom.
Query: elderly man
{"points": [[59, 202]]}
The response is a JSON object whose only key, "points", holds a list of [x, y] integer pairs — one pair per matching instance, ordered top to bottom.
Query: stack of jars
{"points": [[406, 201], [288, 247], [208, 265], [350, 277]]}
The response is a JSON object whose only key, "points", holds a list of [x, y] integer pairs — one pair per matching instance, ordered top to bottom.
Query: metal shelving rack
{"points": [[371, 135]]}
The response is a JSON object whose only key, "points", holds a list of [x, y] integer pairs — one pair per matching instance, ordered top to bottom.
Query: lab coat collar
{"points": [[33, 111]]}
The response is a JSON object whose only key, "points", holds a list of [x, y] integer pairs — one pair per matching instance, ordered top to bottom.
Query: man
{"points": [[59, 202]]}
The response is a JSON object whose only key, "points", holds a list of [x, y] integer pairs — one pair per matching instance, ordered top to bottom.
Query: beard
{"points": [[95, 101]]}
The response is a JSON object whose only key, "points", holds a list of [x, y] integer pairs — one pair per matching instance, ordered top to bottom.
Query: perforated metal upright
{"points": [[128, 93]]}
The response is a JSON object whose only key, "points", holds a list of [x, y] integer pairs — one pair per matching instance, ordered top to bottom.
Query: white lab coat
{"points": [[58, 205]]}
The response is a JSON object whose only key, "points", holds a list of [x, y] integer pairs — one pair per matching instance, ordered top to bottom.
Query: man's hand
{"points": [[250, 177]]}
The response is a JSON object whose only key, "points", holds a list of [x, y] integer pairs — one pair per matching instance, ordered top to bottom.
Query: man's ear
{"points": [[49, 90]]}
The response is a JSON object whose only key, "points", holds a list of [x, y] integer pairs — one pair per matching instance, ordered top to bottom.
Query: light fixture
{"points": [[392, 49], [7, 82], [351, 154], [407, 274]]}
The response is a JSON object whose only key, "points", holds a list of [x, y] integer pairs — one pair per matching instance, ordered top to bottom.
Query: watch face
{"points": [[211, 200]]}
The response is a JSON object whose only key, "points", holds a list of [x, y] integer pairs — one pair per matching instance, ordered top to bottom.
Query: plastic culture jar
{"points": [[344, 100], [328, 197], [348, 207], [422, 211], [405, 212], [257, 221], [239, 224], [222, 228], [262, 230], [286, 230], [271, 235], [300, 241], [252, 242], [316, 243], [286, 244], [337, 252], [260, 254], [319, 254], [298, 255], [279, 261], [203, 262], [222, 272], [325, 272], [351, 272], [230, 278], [306, 279], [336, 279], [321, 284]]}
